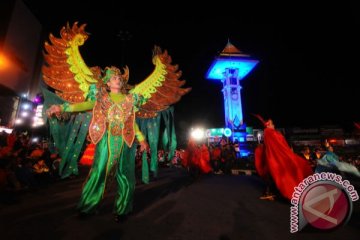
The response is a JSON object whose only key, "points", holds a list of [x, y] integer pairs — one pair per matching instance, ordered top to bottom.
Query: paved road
{"points": [[174, 207]]}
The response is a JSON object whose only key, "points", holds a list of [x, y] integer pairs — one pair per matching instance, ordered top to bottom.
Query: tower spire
{"points": [[231, 50]]}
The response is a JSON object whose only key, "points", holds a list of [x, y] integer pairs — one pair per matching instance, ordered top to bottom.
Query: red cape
{"points": [[198, 157], [276, 159], [204, 163]]}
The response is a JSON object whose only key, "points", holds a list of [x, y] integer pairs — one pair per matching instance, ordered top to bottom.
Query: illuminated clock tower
{"points": [[230, 67]]}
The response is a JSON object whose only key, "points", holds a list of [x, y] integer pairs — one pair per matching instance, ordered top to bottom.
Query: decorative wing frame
{"points": [[65, 69], [66, 72], [161, 88]]}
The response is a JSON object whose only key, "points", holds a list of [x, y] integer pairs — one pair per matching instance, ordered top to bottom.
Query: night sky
{"points": [[309, 60]]}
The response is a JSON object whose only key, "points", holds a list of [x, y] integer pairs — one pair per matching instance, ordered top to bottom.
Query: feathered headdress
{"points": [[113, 71]]}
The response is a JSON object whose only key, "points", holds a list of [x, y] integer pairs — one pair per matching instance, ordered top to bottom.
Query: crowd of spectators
{"points": [[25, 165]]}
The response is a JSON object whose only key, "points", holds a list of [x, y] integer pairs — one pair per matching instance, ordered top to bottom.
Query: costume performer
{"points": [[115, 107], [191, 158], [196, 158], [275, 160], [204, 163], [330, 163]]}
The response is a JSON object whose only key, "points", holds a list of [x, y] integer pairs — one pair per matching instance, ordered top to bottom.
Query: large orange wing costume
{"points": [[68, 74]]}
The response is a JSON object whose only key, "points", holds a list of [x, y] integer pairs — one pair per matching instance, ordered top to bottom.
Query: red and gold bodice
{"points": [[118, 118]]}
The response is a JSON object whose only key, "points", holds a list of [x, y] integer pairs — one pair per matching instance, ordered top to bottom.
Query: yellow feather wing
{"points": [[64, 68], [162, 87]]}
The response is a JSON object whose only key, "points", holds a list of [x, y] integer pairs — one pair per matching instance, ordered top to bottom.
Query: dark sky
{"points": [[309, 60]]}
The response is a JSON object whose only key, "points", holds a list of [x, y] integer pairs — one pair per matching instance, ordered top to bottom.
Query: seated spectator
{"points": [[37, 152], [306, 153], [317, 154], [40, 167], [42, 172]]}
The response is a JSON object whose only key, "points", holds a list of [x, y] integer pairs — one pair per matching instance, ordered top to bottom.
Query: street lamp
{"points": [[197, 133]]}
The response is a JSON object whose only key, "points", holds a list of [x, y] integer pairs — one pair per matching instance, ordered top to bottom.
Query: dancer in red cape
{"points": [[190, 156], [197, 158], [275, 160], [204, 162]]}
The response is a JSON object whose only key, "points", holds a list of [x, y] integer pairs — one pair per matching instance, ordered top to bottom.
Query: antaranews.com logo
{"points": [[323, 200]]}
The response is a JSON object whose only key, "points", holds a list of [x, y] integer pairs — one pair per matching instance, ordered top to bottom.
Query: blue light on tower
{"points": [[218, 67], [230, 67]]}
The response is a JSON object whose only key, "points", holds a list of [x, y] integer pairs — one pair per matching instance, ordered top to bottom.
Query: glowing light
{"points": [[4, 62], [242, 64], [37, 100], [26, 106], [24, 114], [38, 119], [18, 121], [7, 130], [215, 132], [227, 132], [197, 133], [259, 135]]}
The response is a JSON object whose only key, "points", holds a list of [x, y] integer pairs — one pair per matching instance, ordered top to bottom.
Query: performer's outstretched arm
{"points": [[66, 107]]}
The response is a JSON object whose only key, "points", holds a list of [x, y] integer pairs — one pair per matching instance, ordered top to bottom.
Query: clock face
{"points": [[234, 96]]}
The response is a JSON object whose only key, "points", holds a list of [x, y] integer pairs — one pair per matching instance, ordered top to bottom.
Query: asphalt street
{"points": [[173, 207]]}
